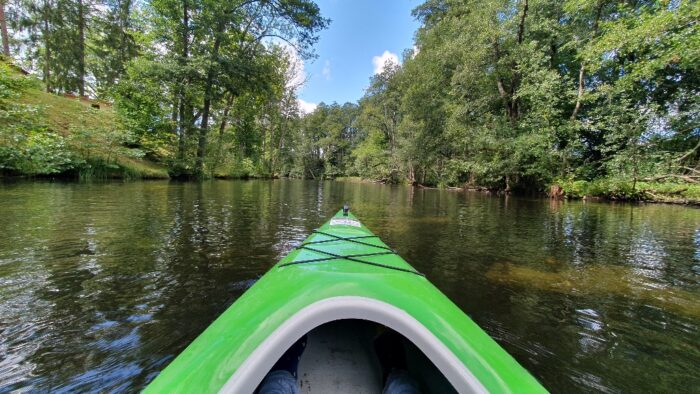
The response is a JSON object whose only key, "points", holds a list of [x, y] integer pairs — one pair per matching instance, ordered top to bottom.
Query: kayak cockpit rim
{"points": [[251, 372]]}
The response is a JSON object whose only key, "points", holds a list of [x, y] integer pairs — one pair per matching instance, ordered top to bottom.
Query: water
{"points": [[102, 285]]}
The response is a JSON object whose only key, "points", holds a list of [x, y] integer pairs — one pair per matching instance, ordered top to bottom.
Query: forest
{"points": [[575, 97]]}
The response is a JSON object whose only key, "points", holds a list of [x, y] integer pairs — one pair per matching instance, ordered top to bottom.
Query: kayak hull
{"points": [[309, 288]]}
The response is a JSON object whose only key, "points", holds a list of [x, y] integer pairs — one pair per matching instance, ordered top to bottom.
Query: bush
{"points": [[27, 146]]}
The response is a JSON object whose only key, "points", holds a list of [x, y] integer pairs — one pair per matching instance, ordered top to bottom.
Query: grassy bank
{"points": [[46, 134], [352, 179], [614, 189]]}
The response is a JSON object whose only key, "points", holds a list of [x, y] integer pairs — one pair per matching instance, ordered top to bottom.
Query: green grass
{"points": [[63, 113], [93, 137], [122, 168], [142, 169], [350, 179], [616, 189], [672, 192]]}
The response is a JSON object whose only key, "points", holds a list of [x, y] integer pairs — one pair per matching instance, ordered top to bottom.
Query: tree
{"points": [[290, 20], [3, 30], [113, 44], [222, 46], [517, 94]]}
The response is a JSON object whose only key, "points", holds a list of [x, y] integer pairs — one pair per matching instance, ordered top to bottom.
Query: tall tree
{"points": [[81, 21], [297, 21], [3, 30], [56, 41], [113, 44]]}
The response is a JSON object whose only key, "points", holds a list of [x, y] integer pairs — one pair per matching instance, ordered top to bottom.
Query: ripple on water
{"points": [[103, 284]]}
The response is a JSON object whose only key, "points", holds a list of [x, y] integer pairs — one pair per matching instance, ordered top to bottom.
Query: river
{"points": [[103, 284]]}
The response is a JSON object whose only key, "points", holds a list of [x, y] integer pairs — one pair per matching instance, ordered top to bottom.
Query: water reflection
{"points": [[601, 280], [101, 285]]}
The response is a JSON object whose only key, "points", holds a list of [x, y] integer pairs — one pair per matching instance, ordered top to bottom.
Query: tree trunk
{"points": [[124, 24], [3, 28], [521, 28], [47, 47], [81, 48], [552, 55], [582, 70], [581, 74], [499, 82], [515, 82], [208, 90], [183, 108], [173, 115], [224, 118], [182, 128], [222, 128], [283, 131], [273, 157]]}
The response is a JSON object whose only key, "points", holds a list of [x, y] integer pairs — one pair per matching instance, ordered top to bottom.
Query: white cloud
{"points": [[380, 61], [326, 72], [296, 75], [305, 107]]}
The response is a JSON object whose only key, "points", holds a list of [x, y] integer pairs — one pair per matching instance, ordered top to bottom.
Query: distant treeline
{"points": [[206, 87], [520, 95], [589, 95]]}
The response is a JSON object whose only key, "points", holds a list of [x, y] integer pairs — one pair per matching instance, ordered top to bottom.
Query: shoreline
{"points": [[643, 196]]}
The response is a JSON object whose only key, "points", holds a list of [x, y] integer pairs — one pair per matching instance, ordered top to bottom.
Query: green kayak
{"points": [[341, 287]]}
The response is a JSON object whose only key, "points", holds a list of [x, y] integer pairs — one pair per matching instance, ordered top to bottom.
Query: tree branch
{"points": [[521, 28], [582, 70], [581, 74], [499, 82], [690, 152], [687, 178]]}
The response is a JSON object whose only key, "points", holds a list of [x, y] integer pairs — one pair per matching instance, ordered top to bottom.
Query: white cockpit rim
{"points": [[251, 372]]}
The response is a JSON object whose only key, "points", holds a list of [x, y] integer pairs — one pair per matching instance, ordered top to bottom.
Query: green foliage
{"points": [[112, 44], [216, 56], [179, 72], [596, 96], [139, 106], [44, 134], [325, 140], [100, 143], [26, 145], [36, 153], [371, 160], [121, 168], [237, 168], [625, 189], [671, 192]]}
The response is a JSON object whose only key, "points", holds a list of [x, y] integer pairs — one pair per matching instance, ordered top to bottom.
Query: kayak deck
{"points": [[344, 245], [341, 272]]}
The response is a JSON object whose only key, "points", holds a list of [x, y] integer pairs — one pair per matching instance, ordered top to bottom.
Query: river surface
{"points": [[102, 285]]}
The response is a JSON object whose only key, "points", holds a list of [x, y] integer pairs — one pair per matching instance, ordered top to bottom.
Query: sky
{"points": [[362, 35]]}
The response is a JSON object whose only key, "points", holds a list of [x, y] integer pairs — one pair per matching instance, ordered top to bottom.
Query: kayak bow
{"points": [[340, 272]]}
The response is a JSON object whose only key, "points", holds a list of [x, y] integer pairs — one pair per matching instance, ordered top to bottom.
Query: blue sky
{"points": [[360, 30]]}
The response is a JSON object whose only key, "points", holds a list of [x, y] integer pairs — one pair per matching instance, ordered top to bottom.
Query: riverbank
{"points": [[50, 135], [600, 189], [615, 190]]}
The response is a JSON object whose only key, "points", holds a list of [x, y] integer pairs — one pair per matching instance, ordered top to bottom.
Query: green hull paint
{"points": [[208, 362]]}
